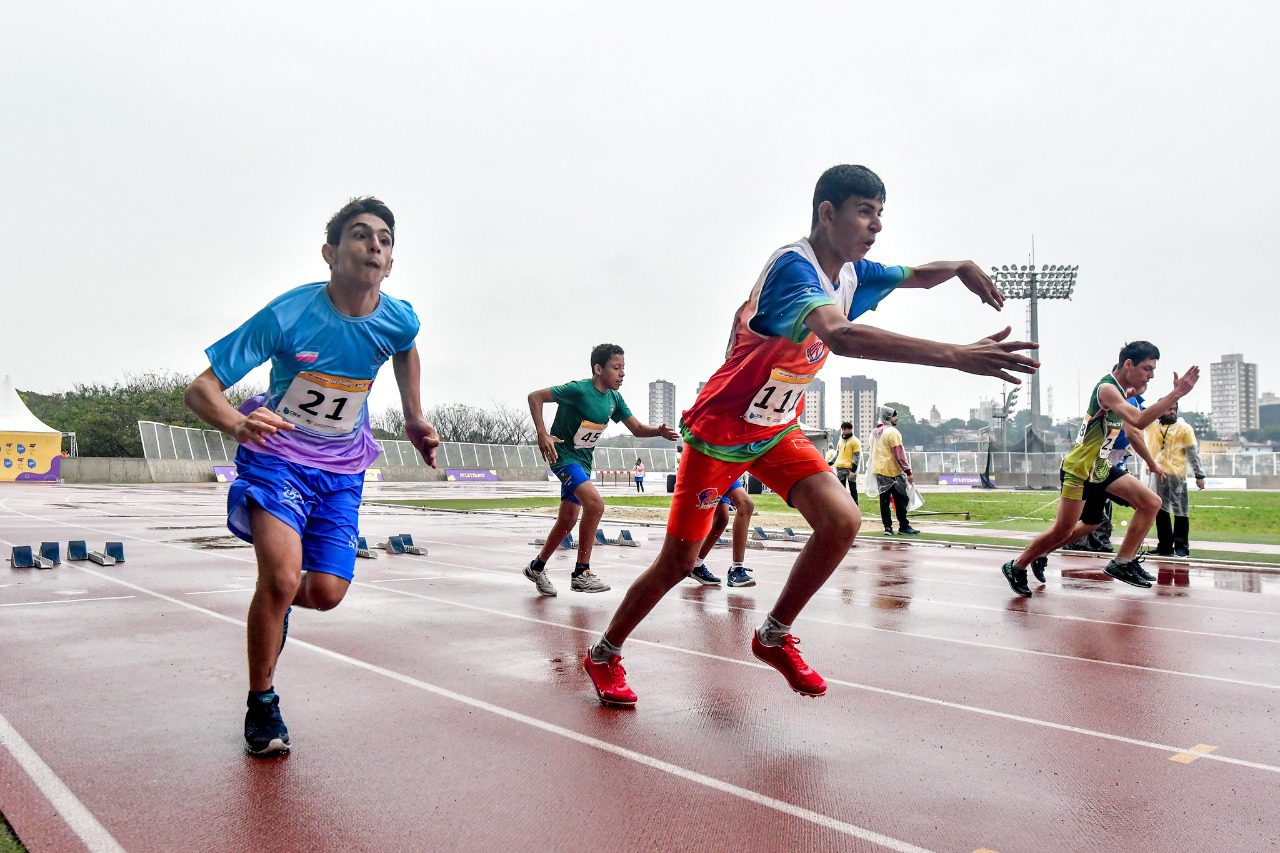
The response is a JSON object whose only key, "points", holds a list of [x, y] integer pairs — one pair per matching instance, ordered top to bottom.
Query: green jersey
{"points": [[582, 416], [1089, 459]]}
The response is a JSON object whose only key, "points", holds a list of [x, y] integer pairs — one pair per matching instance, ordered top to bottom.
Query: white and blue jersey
{"points": [[323, 364]]}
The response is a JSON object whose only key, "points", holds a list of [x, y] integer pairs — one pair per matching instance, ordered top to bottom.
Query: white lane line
{"points": [[217, 591], [67, 601], [989, 609], [853, 684], [886, 691], [73, 812], [816, 818]]}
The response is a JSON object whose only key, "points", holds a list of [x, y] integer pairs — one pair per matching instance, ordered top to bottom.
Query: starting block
{"points": [[762, 535], [792, 535], [624, 538], [566, 544], [393, 545], [409, 548], [362, 549], [77, 550], [115, 550], [52, 553], [21, 557], [102, 559]]}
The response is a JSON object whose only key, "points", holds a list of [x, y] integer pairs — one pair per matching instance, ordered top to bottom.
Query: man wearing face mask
{"points": [[1173, 442]]}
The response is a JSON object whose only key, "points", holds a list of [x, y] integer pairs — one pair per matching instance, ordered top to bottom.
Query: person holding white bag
{"points": [[890, 475]]}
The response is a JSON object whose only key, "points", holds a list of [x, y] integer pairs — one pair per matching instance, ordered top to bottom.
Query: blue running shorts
{"points": [[571, 476], [740, 483], [322, 507]]}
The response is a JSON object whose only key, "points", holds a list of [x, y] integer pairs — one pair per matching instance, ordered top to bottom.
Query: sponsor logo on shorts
{"points": [[815, 351], [306, 355], [291, 496], [708, 498], [352, 543]]}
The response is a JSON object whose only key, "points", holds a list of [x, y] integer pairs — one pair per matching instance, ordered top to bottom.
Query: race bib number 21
{"points": [[323, 404]]}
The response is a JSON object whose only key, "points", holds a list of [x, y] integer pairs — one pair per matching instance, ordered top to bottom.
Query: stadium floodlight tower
{"points": [[1027, 282]]}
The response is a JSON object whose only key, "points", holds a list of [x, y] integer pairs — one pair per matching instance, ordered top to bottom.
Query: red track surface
{"points": [[442, 706]]}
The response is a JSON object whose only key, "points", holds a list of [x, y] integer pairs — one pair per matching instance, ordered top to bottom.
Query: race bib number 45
{"points": [[776, 401], [324, 404], [588, 434]]}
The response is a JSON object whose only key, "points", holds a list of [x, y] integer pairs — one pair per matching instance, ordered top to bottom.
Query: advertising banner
{"points": [[30, 456], [470, 475]]}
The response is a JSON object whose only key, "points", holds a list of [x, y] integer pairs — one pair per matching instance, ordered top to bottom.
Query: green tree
{"points": [[105, 417], [1201, 424]]}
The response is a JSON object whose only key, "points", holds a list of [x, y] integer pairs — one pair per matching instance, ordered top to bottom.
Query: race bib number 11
{"points": [[776, 401], [323, 404]]}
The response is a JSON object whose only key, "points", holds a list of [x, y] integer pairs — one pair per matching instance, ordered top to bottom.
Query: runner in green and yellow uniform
{"points": [[1088, 476]]}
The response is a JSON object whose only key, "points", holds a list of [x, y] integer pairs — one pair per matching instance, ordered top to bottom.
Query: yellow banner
{"points": [[30, 455]]}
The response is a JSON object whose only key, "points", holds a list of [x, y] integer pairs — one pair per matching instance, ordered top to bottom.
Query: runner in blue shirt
{"points": [[304, 445]]}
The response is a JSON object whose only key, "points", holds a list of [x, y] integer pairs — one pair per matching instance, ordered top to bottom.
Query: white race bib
{"points": [[775, 403], [323, 404], [588, 434], [1104, 452]]}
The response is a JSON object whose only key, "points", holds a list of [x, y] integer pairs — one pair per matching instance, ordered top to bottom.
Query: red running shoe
{"points": [[786, 660], [610, 681]]}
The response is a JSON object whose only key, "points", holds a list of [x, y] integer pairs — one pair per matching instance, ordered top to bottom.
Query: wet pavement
{"points": [[442, 705]]}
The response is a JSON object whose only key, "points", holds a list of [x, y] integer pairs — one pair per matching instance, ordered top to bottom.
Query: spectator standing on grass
{"points": [[1173, 442], [848, 453], [890, 472], [639, 475]]}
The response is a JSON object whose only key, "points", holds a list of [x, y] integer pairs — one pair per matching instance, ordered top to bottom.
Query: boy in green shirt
{"points": [[585, 409], [1088, 475]]}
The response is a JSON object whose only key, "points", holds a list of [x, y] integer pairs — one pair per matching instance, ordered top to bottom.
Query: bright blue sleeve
{"points": [[875, 282], [791, 290], [247, 347]]}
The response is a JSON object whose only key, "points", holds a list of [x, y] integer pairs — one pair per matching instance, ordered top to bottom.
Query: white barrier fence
{"points": [[161, 441]]}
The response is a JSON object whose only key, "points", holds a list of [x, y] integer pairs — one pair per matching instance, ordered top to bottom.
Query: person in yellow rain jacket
{"points": [[1173, 443]]}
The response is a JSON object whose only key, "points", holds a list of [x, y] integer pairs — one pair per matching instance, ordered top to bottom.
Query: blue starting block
{"points": [[625, 538], [566, 544], [393, 545], [410, 548], [362, 549], [77, 550], [115, 550], [52, 552], [21, 557]]}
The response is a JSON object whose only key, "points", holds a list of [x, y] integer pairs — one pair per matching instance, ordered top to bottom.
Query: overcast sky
{"points": [[570, 173]]}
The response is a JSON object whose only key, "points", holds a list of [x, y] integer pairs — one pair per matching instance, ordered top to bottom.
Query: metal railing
{"points": [[161, 441]]}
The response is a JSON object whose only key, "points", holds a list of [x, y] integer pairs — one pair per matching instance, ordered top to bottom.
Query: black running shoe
{"points": [[909, 531], [1136, 565], [1038, 566], [1124, 572], [1017, 579], [265, 733]]}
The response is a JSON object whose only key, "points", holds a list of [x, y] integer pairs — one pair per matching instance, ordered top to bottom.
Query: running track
{"points": [[442, 705]]}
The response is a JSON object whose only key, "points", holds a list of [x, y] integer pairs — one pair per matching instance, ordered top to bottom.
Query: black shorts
{"points": [[1096, 496]]}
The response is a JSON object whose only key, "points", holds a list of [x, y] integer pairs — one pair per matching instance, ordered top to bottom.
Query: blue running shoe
{"points": [[703, 576], [738, 577], [265, 733]]}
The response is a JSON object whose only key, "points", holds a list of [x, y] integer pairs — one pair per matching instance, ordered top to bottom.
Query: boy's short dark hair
{"points": [[844, 182], [352, 209], [1137, 352], [602, 353], [846, 425]]}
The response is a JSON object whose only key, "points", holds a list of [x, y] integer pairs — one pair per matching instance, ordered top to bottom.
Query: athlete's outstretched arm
{"points": [[969, 273], [991, 356], [408, 370], [205, 397], [1110, 397], [641, 430], [1138, 441]]}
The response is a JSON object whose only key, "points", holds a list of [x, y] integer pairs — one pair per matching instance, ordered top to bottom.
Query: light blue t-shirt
{"points": [[792, 289], [322, 368]]}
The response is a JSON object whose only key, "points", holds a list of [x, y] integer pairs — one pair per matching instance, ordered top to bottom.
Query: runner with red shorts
{"points": [[746, 418]]}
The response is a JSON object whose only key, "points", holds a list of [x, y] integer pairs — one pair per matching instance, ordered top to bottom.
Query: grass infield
{"points": [[9, 842]]}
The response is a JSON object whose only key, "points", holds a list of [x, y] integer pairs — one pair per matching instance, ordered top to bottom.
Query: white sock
{"points": [[772, 631]]}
